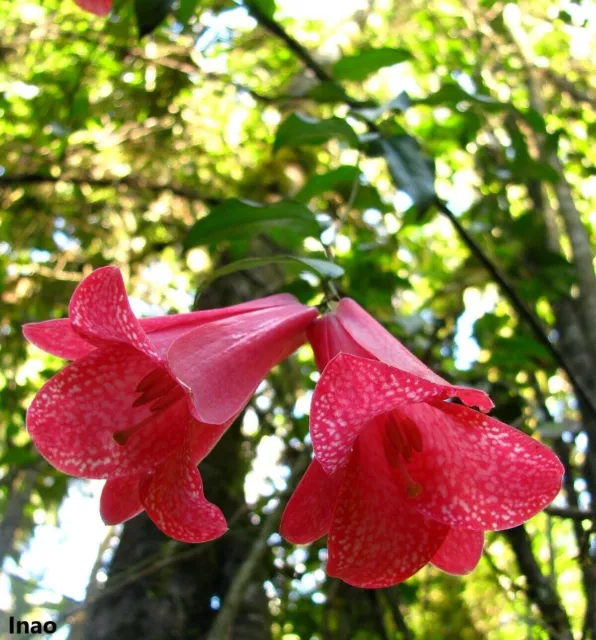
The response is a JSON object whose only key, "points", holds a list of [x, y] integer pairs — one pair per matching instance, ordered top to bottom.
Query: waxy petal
{"points": [[98, 7], [100, 312], [163, 330], [58, 338], [328, 338], [375, 339], [378, 342], [224, 362], [350, 393], [73, 417], [203, 437], [478, 473], [173, 497], [120, 500], [307, 516], [377, 537], [460, 552]]}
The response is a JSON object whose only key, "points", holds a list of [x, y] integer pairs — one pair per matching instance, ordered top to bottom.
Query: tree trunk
{"points": [[176, 601]]}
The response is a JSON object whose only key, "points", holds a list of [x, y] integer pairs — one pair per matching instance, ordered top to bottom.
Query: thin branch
{"points": [[274, 27], [189, 193], [517, 302], [571, 513], [245, 574]]}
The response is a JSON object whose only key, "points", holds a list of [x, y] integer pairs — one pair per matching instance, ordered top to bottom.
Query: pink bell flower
{"points": [[146, 400], [401, 477]]}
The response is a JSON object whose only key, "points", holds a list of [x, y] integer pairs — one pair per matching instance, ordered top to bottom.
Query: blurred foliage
{"points": [[207, 141]]}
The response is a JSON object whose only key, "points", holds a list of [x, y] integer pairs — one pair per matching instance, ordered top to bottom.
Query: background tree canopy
{"points": [[433, 160]]}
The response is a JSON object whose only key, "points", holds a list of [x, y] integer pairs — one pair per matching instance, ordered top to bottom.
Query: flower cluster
{"points": [[401, 475]]}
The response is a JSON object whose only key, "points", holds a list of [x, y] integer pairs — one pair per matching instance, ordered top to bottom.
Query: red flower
{"points": [[98, 7], [146, 400], [400, 476]]}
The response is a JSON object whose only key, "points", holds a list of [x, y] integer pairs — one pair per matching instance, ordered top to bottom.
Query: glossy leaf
{"points": [[359, 66], [298, 129], [241, 219]]}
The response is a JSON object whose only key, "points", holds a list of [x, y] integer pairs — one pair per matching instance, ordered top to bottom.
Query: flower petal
{"points": [[98, 7], [100, 312], [163, 330], [58, 338], [328, 338], [375, 339], [223, 362], [350, 393], [73, 417], [203, 437], [478, 473], [173, 497], [120, 500], [307, 516], [377, 537], [460, 552]]}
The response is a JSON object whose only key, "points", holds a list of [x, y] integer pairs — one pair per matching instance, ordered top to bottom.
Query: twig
{"points": [[189, 193], [517, 302], [245, 574]]}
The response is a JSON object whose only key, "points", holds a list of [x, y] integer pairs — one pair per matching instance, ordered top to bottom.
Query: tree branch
{"points": [[189, 193], [517, 302], [237, 590]]}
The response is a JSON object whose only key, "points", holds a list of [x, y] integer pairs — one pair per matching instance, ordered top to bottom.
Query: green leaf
{"points": [[264, 6], [186, 10], [150, 13], [359, 66], [327, 92], [450, 94], [298, 129], [411, 171], [334, 180], [241, 219], [322, 268]]}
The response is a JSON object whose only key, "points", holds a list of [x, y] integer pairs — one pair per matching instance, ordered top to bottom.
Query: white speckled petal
{"points": [[100, 312], [373, 337], [58, 338], [379, 343], [350, 393], [73, 417], [478, 473], [173, 497], [120, 500], [307, 517], [377, 537], [460, 552]]}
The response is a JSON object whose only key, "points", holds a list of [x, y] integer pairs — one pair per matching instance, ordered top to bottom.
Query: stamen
{"points": [[152, 378], [159, 389], [168, 399], [401, 436]]}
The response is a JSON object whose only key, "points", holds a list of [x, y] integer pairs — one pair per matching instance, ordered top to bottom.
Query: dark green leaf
{"points": [[265, 6], [186, 10], [150, 13], [360, 65], [327, 92], [298, 129], [410, 169], [336, 179], [241, 219], [322, 268]]}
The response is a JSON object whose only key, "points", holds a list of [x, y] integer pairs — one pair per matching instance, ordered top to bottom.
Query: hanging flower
{"points": [[98, 7], [145, 400], [402, 477]]}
